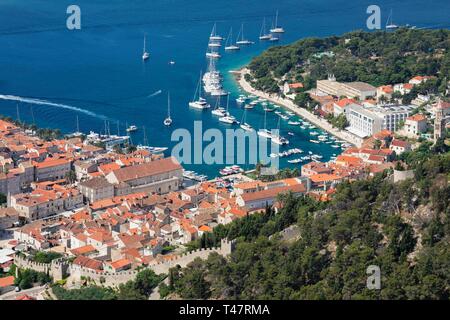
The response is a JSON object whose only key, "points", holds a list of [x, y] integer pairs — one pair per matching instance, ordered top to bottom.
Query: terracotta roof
{"points": [[296, 85], [386, 89], [343, 102], [417, 117], [399, 143], [373, 157], [50, 162], [147, 169], [323, 177], [272, 193], [83, 250], [88, 263], [120, 263], [6, 281]]}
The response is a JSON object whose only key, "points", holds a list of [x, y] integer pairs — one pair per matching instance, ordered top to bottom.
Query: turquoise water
{"points": [[97, 73]]}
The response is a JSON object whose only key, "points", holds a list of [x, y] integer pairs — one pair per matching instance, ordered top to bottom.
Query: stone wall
{"points": [[403, 175], [59, 268]]}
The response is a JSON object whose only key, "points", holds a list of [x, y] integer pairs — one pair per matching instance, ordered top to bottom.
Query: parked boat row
{"points": [[235, 44], [286, 153], [231, 170], [192, 175]]}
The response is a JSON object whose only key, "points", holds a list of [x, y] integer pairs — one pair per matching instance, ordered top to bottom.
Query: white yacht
{"points": [[389, 24], [276, 28], [262, 34], [214, 36], [241, 39], [274, 39], [214, 44], [229, 46], [145, 54], [213, 55], [240, 100], [199, 102], [218, 110], [228, 118], [168, 120], [244, 124], [132, 128], [264, 132], [278, 139]]}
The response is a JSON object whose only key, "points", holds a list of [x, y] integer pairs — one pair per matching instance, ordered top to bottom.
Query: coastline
{"points": [[290, 105]]}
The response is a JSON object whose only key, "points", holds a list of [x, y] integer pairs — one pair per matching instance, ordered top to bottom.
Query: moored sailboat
{"points": [[277, 28], [145, 54], [199, 102], [168, 120]]}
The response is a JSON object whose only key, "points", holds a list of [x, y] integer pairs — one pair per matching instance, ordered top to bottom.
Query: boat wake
{"points": [[154, 94], [52, 104]]}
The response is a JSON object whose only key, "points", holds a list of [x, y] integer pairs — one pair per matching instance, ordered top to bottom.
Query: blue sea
{"points": [[97, 73]]}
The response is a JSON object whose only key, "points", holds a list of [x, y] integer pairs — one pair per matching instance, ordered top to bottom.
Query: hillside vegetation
{"points": [[378, 58], [403, 228]]}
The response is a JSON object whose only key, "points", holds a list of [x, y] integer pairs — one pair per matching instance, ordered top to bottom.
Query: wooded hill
{"points": [[379, 58]]}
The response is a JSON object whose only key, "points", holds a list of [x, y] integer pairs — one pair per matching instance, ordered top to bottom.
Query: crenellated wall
{"points": [[59, 268]]}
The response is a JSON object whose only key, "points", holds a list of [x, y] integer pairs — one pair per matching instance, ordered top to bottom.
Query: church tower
{"points": [[438, 121]]}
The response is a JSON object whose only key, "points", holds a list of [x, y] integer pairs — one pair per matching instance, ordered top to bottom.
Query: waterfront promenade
{"points": [[303, 113]]}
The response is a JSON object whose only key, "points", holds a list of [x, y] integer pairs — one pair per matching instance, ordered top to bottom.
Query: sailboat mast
{"points": [[276, 19], [263, 28], [230, 37], [145, 38], [200, 85], [228, 101], [168, 104], [32, 114], [18, 115], [145, 137]]}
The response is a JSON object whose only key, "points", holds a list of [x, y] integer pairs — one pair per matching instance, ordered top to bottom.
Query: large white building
{"points": [[358, 90], [366, 121]]}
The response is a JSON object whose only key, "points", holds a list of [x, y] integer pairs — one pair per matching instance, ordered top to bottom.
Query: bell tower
{"points": [[438, 121]]}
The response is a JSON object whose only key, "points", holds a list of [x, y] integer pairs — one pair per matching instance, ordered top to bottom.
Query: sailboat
{"points": [[389, 24], [277, 28], [262, 34], [214, 36], [242, 40], [229, 46], [145, 54], [213, 54], [201, 102], [218, 110], [228, 118], [168, 120], [245, 125], [264, 132], [77, 133], [277, 138], [154, 150]]}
